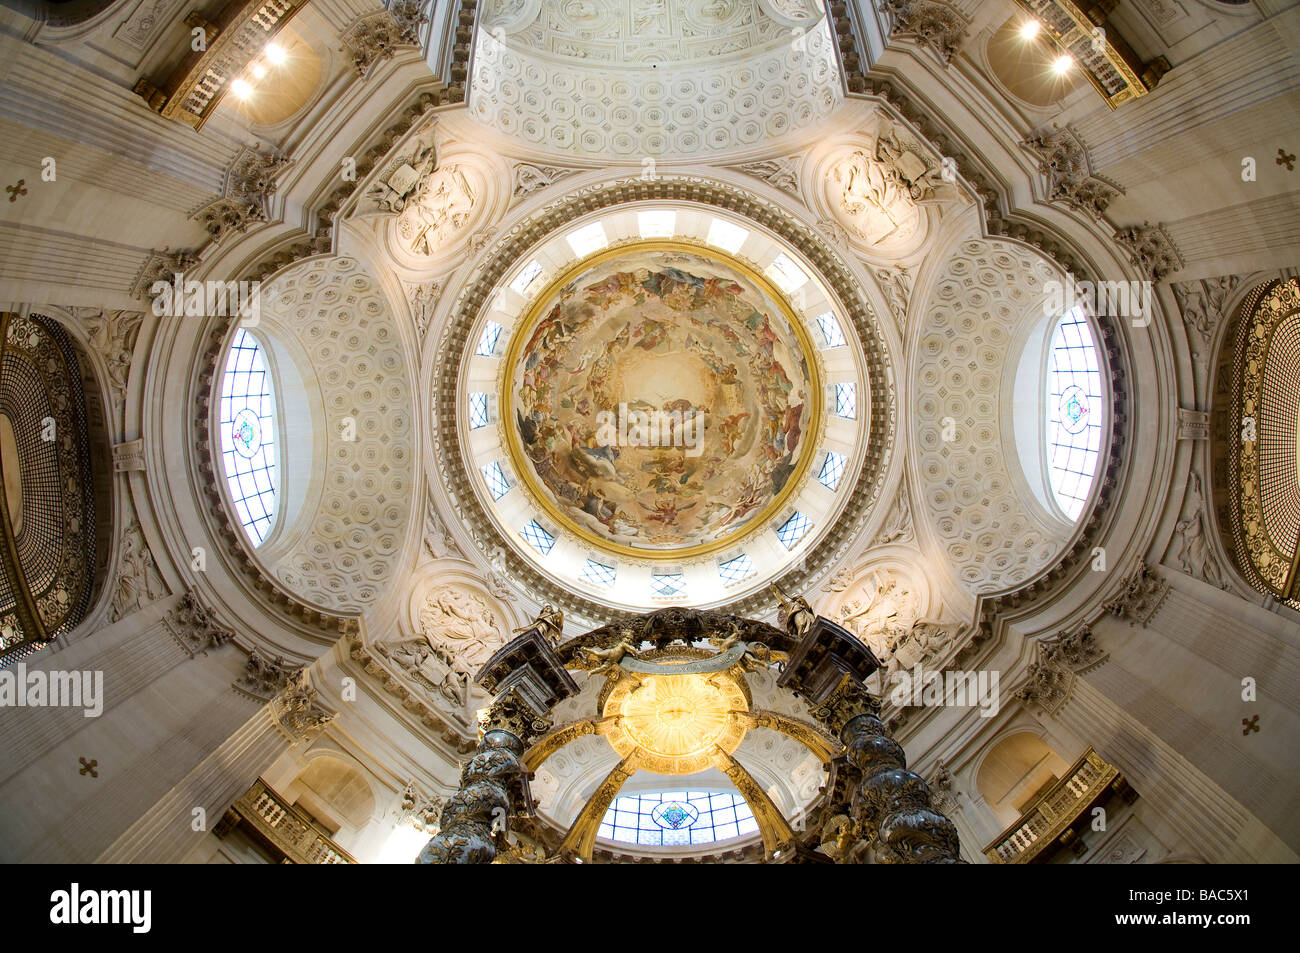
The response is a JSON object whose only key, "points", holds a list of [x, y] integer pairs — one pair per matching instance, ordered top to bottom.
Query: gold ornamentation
{"points": [[677, 721]]}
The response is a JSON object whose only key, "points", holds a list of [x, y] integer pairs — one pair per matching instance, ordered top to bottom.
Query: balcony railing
{"points": [[1056, 811], [298, 838]]}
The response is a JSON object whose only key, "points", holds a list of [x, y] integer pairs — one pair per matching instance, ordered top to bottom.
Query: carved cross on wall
{"points": [[1283, 158], [19, 189], [88, 767]]}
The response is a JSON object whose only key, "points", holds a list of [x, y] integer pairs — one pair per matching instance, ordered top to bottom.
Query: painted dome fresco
{"points": [[661, 400]]}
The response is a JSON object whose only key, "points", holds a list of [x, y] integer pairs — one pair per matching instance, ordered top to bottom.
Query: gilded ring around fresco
{"points": [[661, 399]]}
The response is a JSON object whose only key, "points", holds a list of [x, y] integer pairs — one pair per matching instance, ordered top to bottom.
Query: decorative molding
{"points": [[1064, 163], [1151, 249]]}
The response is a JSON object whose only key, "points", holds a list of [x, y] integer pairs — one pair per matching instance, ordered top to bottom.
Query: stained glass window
{"points": [[831, 332], [487, 343], [846, 400], [478, 410], [1075, 412], [248, 436], [832, 470], [497, 483], [793, 529], [541, 540], [735, 569], [598, 574], [667, 583], [677, 818]]}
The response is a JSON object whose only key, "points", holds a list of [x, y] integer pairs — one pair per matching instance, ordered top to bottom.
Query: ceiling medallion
{"points": [[661, 400], [678, 722]]}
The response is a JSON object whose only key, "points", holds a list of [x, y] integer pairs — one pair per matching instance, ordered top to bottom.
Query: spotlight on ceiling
{"points": [[1029, 29], [275, 53], [1061, 65], [258, 71], [241, 88]]}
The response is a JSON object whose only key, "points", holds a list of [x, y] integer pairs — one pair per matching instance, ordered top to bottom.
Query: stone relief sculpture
{"points": [[398, 184], [871, 203], [437, 211], [1194, 555], [138, 580], [886, 616], [462, 623], [458, 633]]}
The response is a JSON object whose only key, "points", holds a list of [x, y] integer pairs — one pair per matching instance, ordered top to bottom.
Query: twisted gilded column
{"points": [[527, 680], [489, 783], [892, 804]]}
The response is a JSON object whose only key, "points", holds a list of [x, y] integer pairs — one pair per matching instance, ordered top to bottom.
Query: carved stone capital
{"points": [[935, 26], [1063, 161], [1151, 249], [194, 628]]}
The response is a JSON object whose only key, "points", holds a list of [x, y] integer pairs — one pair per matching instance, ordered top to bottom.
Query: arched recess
{"points": [[988, 300], [344, 397], [1256, 441], [55, 485], [1014, 771], [334, 793]]}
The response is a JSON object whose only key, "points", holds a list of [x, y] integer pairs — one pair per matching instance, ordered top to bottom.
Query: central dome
{"points": [[661, 400]]}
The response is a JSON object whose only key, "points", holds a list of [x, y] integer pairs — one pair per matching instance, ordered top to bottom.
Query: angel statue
{"points": [[795, 617], [549, 624]]}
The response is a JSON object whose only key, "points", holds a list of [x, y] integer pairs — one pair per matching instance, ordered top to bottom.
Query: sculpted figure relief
{"points": [[871, 202], [439, 209], [462, 623]]}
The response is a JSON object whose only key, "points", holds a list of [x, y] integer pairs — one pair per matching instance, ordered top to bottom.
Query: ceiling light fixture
{"points": [[1029, 29], [275, 53], [1062, 64], [258, 71], [241, 88]]}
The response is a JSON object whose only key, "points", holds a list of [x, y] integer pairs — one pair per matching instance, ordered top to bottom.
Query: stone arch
{"points": [[1013, 770]]}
